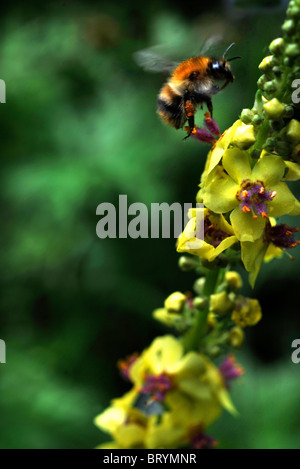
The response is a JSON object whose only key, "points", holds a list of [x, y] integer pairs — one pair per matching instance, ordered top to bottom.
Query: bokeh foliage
{"points": [[79, 128]]}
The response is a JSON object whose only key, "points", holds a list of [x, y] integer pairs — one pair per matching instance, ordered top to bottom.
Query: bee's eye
{"points": [[215, 65], [194, 75]]}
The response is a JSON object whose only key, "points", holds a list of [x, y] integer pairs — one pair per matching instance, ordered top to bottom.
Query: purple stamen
{"points": [[230, 370], [157, 386]]}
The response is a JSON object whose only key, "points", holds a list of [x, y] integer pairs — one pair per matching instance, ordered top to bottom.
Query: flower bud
{"points": [[293, 11], [289, 26], [277, 46], [292, 50], [266, 63], [277, 71], [261, 81], [270, 86], [274, 109], [288, 112], [246, 116], [257, 119], [293, 131], [244, 137], [283, 148], [187, 263], [233, 280], [198, 285], [175, 302], [199, 303], [220, 303], [236, 337]]}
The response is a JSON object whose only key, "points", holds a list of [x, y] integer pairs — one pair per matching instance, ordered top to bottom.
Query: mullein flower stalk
{"points": [[179, 384]]}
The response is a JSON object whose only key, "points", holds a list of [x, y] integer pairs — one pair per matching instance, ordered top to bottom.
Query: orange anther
{"points": [[262, 190], [245, 193], [273, 194], [246, 209], [264, 215], [254, 217]]}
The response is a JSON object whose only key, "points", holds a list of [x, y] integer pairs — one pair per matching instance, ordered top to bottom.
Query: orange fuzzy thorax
{"points": [[183, 70]]}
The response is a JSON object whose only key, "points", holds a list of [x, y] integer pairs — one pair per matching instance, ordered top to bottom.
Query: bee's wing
{"points": [[210, 43], [151, 61]]}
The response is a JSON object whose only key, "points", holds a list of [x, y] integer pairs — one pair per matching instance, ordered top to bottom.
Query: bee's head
{"points": [[220, 70]]}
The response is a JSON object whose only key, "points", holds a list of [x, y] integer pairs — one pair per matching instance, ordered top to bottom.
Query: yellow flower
{"points": [[216, 153], [251, 194], [218, 235], [247, 312], [164, 372], [126, 424]]}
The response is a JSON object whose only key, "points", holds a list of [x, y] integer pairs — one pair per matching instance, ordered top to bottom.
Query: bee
{"points": [[191, 84]]}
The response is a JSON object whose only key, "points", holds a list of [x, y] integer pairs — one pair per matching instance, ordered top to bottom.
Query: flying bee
{"points": [[192, 83]]}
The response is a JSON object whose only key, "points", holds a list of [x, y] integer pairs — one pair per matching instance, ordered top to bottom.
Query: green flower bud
{"points": [[293, 11], [289, 26], [277, 46], [292, 50], [277, 71], [261, 81], [270, 86], [274, 109], [288, 112], [246, 116], [257, 119], [293, 131], [270, 144], [282, 148], [187, 263], [233, 280], [198, 285], [200, 303], [214, 351]]}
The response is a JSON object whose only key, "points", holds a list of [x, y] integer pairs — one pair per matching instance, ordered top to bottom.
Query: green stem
{"points": [[194, 336]]}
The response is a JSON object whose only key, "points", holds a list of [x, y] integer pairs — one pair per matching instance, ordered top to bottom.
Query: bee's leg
{"points": [[209, 106], [189, 112]]}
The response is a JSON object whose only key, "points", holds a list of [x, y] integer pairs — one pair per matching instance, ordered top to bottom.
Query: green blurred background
{"points": [[79, 128]]}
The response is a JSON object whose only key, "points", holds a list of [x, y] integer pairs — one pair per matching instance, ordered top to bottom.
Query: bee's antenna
{"points": [[229, 47], [233, 58]]}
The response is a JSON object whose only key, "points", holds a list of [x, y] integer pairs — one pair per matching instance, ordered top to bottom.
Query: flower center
{"points": [[253, 198], [212, 234], [281, 235], [230, 370], [157, 386], [200, 440]]}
